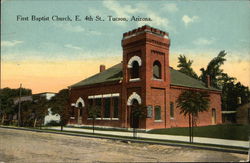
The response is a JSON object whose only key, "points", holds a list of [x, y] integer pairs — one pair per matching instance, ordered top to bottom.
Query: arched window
{"points": [[157, 70], [134, 71]]}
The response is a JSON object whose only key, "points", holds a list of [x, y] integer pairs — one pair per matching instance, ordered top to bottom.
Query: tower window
{"points": [[134, 70], [157, 70]]}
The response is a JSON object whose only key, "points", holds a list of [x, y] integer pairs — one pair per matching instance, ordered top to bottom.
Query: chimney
{"points": [[102, 68], [208, 83]]}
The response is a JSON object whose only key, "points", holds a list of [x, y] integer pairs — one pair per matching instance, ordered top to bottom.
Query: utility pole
{"points": [[19, 106]]}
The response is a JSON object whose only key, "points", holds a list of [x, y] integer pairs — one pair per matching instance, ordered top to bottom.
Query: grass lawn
{"points": [[225, 131]]}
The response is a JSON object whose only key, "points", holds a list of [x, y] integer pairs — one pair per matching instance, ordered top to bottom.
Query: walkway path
{"points": [[226, 142]]}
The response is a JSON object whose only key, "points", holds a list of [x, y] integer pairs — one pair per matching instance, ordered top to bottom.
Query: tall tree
{"points": [[185, 66], [214, 70], [234, 95], [7, 96], [191, 103], [59, 105], [39, 109]]}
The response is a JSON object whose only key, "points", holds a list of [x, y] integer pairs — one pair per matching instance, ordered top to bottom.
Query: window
{"points": [[157, 70], [134, 71], [90, 104], [98, 104], [116, 107], [107, 108], [171, 110], [157, 113]]}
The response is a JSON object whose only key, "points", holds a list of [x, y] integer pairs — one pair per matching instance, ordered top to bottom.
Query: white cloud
{"points": [[170, 7], [141, 10], [123, 11], [186, 19], [70, 27], [76, 28], [203, 41], [10, 43], [72, 47]]}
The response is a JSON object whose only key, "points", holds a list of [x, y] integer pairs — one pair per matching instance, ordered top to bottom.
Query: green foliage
{"points": [[185, 66], [214, 70], [232, 93], [6, 100], [193, 102], [59, 105], [39, 108], [139, 111], [94, 112], [225, 131]]}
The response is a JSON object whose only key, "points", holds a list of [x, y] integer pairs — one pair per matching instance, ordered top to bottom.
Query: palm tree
{"points": [[185, 66], [214, 71], [191, 103]]}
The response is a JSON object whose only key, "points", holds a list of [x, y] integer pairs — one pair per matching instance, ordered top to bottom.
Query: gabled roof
{"points": [[115, 74], [180, 79]]}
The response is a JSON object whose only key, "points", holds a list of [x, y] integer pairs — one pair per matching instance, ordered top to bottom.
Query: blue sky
{"points": [[198, 29]]}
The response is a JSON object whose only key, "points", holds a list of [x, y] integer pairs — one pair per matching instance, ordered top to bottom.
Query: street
{"points": [[26, 146]]}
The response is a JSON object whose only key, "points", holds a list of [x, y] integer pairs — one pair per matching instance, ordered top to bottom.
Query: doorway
{"points": [[80, 110], [213, 116], [134, 118]]}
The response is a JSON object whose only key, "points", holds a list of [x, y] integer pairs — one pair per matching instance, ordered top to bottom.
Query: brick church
{"points": [[144, 78]]}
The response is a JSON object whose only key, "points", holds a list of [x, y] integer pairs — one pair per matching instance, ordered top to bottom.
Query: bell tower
{"points": [[146, 74]]}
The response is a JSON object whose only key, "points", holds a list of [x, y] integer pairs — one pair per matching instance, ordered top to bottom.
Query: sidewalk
{"points": [[225, 142]]}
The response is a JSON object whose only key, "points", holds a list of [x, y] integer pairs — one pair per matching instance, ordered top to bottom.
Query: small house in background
{"points": [[48, 95], [243, 114], [50, 117]]}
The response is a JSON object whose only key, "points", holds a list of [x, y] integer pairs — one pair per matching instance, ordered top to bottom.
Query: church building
{"points": [[145, 78]]}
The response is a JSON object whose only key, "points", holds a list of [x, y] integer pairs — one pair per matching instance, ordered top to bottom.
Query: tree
{"points": [[185, 66], [214, 71], [234, 95], [7, 96], [191, 103], [59, 105], [39, 109], [94, 112], [138, 112]]}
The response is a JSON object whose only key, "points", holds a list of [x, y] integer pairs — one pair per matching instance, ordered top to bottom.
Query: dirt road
{"points": [[25, 146]]}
